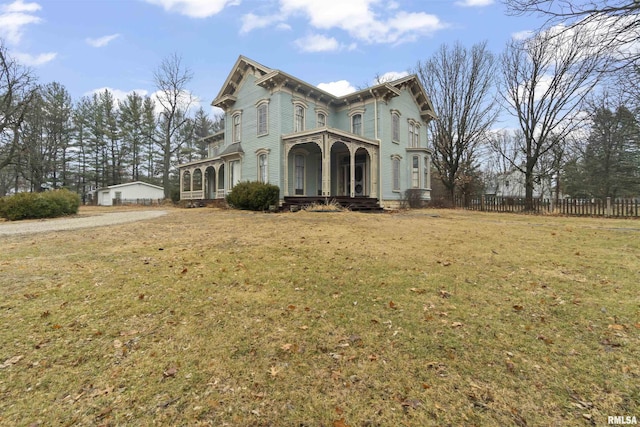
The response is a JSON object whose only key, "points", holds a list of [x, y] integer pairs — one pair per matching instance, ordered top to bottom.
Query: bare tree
{"points": [[615, 20], [171, 80], [545, 81], [459, 82], [17, 90]]}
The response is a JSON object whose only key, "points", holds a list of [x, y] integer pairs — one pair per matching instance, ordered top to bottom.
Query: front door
{"points": [[360, 180]]}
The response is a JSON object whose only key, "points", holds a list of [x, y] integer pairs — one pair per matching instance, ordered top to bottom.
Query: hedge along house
{"points": [[370, 144]]}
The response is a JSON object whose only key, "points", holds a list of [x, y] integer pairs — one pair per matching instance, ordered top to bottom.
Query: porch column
{"points": [[287, 148], [326, 166], [352, 167], [191, 179], [181, 184], [428, 184]]}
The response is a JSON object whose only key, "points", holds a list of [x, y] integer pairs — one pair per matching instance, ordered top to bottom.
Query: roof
{"points": [[269, 78], [128, 184]]}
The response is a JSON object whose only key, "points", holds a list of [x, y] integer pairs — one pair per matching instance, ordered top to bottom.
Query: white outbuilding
{"points": [[137, 192]]}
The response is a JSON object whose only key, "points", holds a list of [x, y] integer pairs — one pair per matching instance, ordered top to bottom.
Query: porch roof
{"points": [[333, 132]]}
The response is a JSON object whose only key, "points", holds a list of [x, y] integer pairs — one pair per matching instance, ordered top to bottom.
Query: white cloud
{"points": [[474, 3], [20, 6], [194, 8], [14, 17], [370, 21], [251, 22], [522, 35], [102, 41], [317, 43], [34, 60], [390, 76], [339, 88], [119, 95]]}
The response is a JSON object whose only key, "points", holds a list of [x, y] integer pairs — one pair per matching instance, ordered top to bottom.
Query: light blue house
{"points": [[370, 144]]}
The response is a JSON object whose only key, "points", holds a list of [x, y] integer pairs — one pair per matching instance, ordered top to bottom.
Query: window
{"points": [[262, 114], [321, 120], [356, 124], [298, 125], [395, 126], [236, 128], [395, 163], [263, 171], [415, 172], [234, 173], [299, 175], [118, 196]]}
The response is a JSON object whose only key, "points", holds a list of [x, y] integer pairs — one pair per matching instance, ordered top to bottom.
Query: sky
{"points": [[338, 45]]}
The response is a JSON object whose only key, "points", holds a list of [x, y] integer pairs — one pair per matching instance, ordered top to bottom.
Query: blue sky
{"points": [[340, 44]]}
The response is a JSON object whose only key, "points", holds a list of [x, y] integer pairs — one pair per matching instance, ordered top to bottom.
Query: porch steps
{"points": [[356, 204]]}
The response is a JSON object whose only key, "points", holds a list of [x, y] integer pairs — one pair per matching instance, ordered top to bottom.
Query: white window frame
{"points": [[262, 127]]}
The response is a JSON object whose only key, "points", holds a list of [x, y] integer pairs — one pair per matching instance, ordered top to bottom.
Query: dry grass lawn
{"points": [[224, 318]]}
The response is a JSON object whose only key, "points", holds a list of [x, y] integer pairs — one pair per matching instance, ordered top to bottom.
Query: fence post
{"points": [[482, 203], [552, 204], [609, 206]]}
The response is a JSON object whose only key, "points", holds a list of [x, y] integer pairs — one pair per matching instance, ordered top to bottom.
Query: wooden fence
{"points": [[618, 208]]}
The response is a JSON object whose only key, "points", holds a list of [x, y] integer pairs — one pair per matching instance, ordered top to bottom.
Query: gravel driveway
{"points": [[59, 224]]}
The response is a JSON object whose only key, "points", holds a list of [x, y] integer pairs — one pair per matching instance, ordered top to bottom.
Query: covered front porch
{"points": [[330, 163], [202, 180]]}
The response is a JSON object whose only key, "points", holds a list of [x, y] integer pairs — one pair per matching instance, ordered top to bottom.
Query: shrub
{"points": [[253, 195], [50, 204]]}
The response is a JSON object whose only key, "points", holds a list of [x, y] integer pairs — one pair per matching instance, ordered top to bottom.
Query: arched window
{"points": [[299, 111], [262, 113], [321, 120], [356, 124], [395, 126], [236, 130], [414, 134], [395, 167], [263, 168], [197, 180]]}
